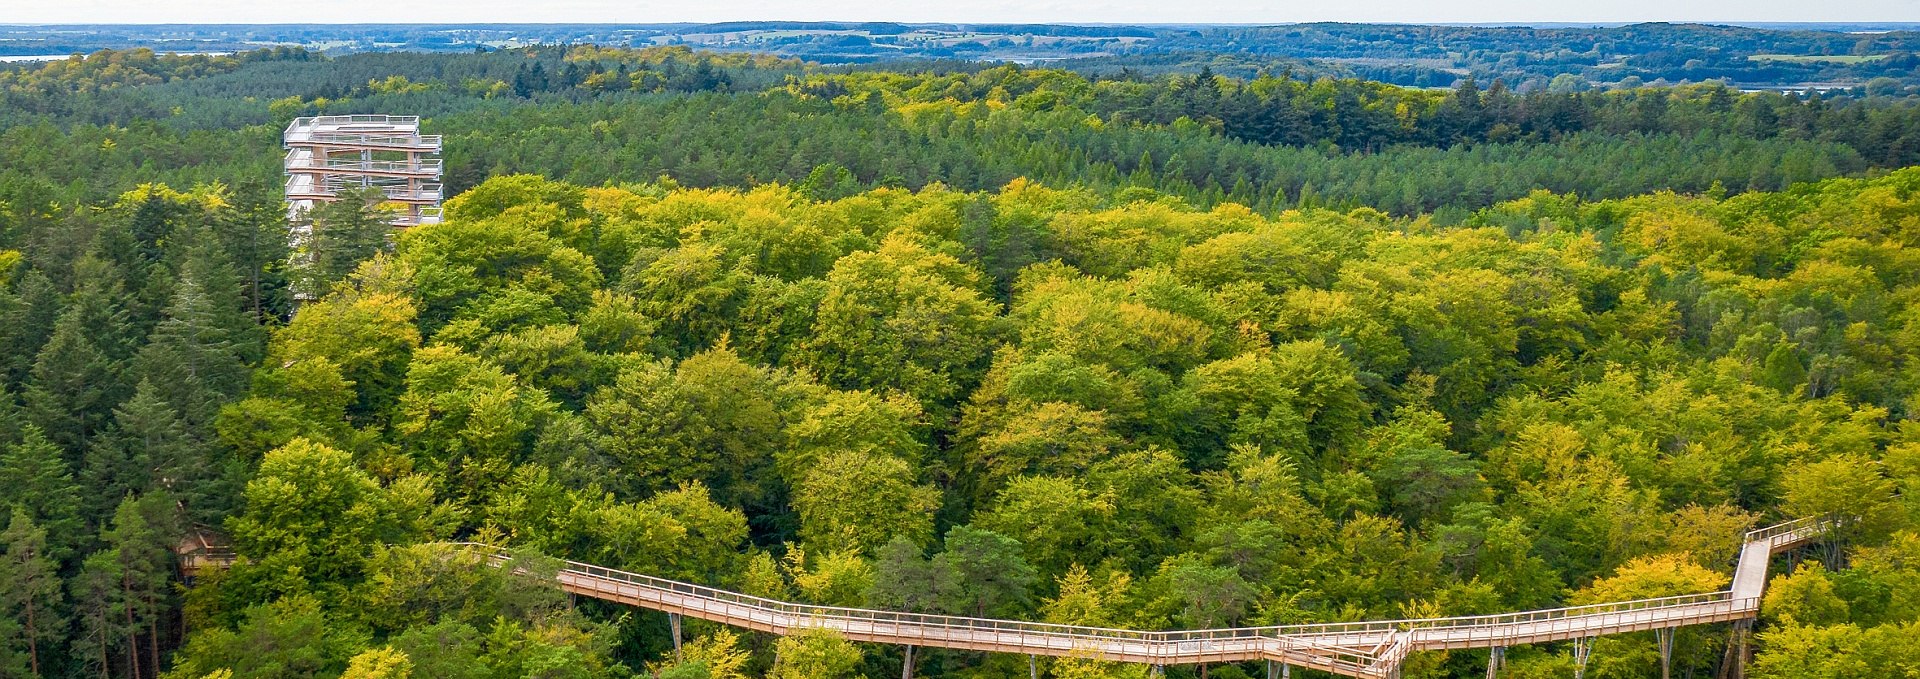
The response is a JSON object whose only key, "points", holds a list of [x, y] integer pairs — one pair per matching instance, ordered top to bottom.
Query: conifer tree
{"points": [[345, 232], [253, 233], [114, 319], [25, 328], [192, 360], [69, 393], [10, 418], [150, 429], [146, 448], [34, 478], [139, 540], [30, 591], [99, 606]]}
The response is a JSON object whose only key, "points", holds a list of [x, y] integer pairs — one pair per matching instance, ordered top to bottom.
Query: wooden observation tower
{"points": [[328, 154]]}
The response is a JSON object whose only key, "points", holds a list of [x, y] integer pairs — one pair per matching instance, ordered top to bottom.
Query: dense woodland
{"points": [[592, 115], [862, 376]]}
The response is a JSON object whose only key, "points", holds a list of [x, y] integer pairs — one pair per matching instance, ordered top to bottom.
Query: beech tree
{"points": [[858, 502], [312, 518], [815, 654]]}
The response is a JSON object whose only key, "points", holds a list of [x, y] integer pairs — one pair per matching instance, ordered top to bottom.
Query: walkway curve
{"points": [[1359, 649]]}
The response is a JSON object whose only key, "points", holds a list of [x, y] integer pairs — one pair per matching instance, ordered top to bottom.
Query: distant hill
{"points": [[1753, 56]]}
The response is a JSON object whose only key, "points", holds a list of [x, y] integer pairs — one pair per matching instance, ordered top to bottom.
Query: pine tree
{"points": [[150, 225], [346, 232], [253, 234], [12, 308], [114, 319], [25, 328], [193, 359], [69, 394], [10, 418], [150, 429], [147, 448], [109, 471], [34, 478], [139, 540], [30, 590], [100, 606], [15, 661]]}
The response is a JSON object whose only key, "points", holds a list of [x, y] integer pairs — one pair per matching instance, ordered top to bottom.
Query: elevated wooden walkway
{"points": [[1361, 649]]}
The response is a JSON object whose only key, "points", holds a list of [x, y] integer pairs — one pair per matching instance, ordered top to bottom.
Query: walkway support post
{"points": [[673, 620], [1665, 636], [1582, 649], [1496, 656], [906, 666], [1033, 666], [1734, 666], [1286, 671]]}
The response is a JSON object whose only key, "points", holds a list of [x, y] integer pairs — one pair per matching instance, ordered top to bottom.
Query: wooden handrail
{"points": [[1359, 649]]}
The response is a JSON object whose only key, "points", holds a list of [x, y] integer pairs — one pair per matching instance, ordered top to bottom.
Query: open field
{"points": [[1818, 58]]}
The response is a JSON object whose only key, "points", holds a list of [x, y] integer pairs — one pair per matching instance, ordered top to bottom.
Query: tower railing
{"points": [[424, 166]]}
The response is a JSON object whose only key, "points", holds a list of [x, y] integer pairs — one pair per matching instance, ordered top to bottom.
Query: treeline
{"points": [[107, 69], [37, 87], [1358, 115], [722, 141], [1271, 142]]}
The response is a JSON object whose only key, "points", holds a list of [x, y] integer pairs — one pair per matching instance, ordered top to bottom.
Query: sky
{"points": [[1035, 11]]}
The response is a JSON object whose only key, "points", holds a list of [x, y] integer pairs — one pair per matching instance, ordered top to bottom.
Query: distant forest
{"points": [[1566, 57], [81, 129]]}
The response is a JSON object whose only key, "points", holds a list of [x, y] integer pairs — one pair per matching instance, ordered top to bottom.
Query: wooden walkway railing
{"points": [[1360, 649]]}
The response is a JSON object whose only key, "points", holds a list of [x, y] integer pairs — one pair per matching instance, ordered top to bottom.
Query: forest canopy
{"points": [[984, 343], [1084, 408]]}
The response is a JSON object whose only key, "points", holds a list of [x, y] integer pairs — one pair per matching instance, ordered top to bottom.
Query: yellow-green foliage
{"points": [[1169, 416]]}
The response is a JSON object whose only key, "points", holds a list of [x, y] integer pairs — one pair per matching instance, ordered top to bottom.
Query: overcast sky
{"points": [[1060, 11]]}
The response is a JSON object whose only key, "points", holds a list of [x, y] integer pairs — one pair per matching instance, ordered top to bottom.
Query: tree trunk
{"points": [[153, 635], [133, 638], [33, 644], [106, 657]]}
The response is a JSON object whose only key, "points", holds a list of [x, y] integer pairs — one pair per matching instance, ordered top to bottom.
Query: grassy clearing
{"points": [[1818, 58]]}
